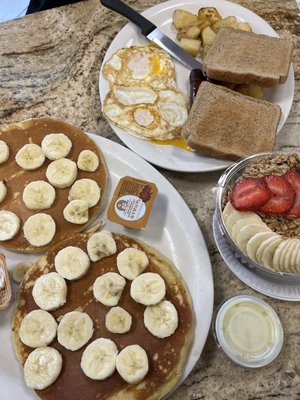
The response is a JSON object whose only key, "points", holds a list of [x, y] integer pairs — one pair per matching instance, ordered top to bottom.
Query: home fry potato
{"points": [[210, 14], [182, 19], [228, 22], [244, 26], [193, 31], [207, 39], [191, 46], [251, 90]]}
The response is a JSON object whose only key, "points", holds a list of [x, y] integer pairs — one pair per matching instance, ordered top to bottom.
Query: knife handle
{"points": [[123, 9]]}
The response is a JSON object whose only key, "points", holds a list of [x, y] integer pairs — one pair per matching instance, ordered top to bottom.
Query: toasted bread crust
{"points": [[244, 57], [226, 124]]}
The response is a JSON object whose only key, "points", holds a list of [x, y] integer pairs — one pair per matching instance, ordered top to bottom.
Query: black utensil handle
{"points": [[123, 9]]}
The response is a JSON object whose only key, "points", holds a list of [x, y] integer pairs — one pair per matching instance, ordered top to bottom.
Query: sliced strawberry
{"points": [[293, 177], [250, 194], [283, 196]]}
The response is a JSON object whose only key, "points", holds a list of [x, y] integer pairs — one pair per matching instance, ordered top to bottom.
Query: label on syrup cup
{"points": [[132, 202]]}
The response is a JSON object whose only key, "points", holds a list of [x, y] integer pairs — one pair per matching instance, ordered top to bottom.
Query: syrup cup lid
{"points": [[249, 331]]}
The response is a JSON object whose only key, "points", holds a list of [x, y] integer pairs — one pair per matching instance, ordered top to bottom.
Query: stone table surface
{"points": [[49, 65]]}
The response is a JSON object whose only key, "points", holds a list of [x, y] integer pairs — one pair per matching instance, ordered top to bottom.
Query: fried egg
{"points": [[140, 64], [143, 98], [158, 116]]}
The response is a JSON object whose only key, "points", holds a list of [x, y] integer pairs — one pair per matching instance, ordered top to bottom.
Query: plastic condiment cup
{"points": [[249, 331]]}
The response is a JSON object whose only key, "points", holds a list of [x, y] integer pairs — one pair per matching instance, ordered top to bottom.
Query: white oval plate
{"points": [[171, 157], [171, 229], [261, 283]]}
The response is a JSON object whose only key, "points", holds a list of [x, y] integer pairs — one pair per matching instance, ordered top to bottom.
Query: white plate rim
{"points": [[170, 157], [200, 268], [254, 280]]}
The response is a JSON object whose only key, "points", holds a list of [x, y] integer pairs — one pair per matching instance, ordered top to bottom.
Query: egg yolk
{"points": [[155, 65]]}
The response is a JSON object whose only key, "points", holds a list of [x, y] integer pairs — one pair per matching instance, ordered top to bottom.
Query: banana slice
{"points": [[56, 145], [4, 152], [30, 157], [88, 161], [62, 173], [85, 189], [3, 191], [38, 195], [228, 210], [77, 212], [238, 215], [240, 224], [9, 225], [39, 229], [247, 232], [254, 243], [264, 244], [100, 245], [278, 254], [267, 256], [293, 257], [284, 260], [132, 262], [71, 263], [295, 267], [20, 270], [108, 288], [148, 289], [50, 291], [161, 319], [118, 320], [38, 329], [75, 330], [98, 360], [132, 364], [42, 367]]}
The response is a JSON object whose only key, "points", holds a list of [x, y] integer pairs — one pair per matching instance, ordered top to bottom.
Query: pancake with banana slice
{"points": [[53, 183], [115, 321]]}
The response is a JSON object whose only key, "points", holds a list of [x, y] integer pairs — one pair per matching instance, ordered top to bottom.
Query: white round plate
{"points": [[171, 157], [171, 229], [259, 282]]}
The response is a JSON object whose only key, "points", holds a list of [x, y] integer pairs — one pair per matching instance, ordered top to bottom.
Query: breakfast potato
{"points": [[210, 14], [182, 19], [228, 22], [244, 26], [192, 32], [207, 38], [191, 46], [251, 90]]}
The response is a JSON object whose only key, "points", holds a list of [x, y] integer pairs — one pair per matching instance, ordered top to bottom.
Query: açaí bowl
{"points": [[226, 181]]}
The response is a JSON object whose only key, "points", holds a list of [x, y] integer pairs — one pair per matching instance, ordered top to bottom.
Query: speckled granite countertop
{"points": [[49, 65]]}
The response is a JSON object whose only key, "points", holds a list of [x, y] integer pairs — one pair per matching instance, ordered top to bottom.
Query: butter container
{"points": [[249, 331]]}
